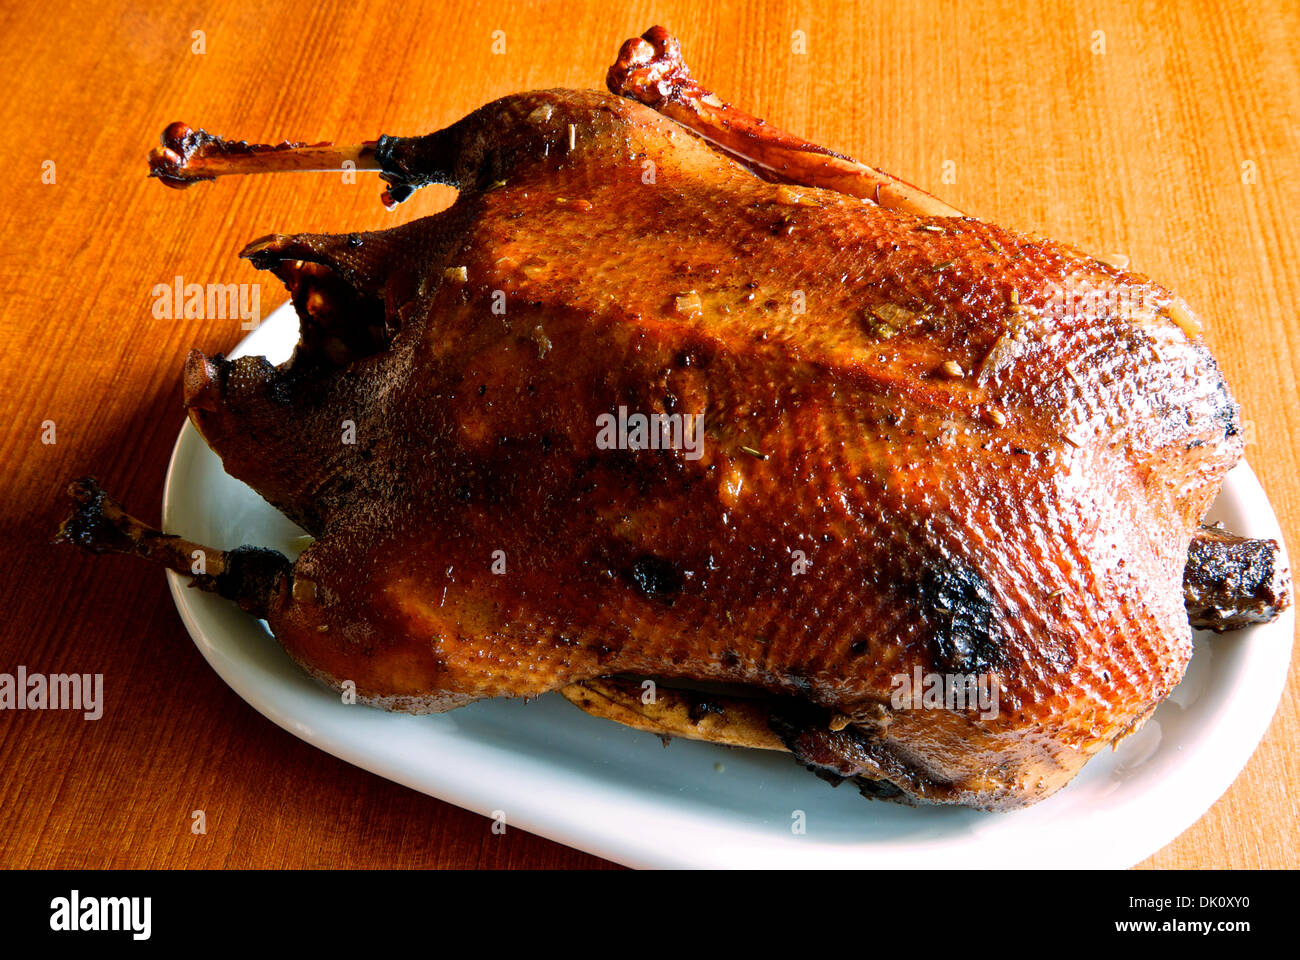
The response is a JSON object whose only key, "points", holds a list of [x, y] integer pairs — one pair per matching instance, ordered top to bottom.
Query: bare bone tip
{"points": [[666, 46], [648, 68], [168, 162], [88, 523]]}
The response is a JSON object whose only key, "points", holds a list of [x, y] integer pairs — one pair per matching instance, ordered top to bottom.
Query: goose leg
{"points": [[254, 577]]}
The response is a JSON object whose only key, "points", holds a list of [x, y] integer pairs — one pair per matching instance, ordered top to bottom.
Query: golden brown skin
{"points": [[992, 451]]}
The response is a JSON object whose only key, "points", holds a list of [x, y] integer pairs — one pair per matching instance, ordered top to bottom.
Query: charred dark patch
{"points": [[408, 163], [87, 527], [251, 574], [655, 577], [1230, 582], [959, 604], [701, 708], [877, 789]]}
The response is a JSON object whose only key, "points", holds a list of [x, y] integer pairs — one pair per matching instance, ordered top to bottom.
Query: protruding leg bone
{"points": [[650, 69], [187, 156], [253, 577]]}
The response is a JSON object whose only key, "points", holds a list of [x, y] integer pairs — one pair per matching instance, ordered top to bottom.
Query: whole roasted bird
{"points": [[929, 447]]}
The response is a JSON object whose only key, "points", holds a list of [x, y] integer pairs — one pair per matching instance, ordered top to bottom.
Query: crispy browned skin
{"points": [[980, 483]]}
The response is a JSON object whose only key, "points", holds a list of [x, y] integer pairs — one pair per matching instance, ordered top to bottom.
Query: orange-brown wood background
{"points": [[1145, 149]]}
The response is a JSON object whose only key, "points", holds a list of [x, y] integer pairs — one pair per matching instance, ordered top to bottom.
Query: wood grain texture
{"points": [[1008, 111]]}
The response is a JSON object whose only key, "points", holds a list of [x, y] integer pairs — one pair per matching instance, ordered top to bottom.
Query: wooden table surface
{"points": [[1168, 132]]}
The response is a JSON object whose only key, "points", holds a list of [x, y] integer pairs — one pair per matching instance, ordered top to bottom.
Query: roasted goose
{"points": [[930, 446]]}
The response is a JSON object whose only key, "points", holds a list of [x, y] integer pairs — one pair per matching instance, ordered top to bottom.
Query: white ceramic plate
{"points": [[555, 771]]}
